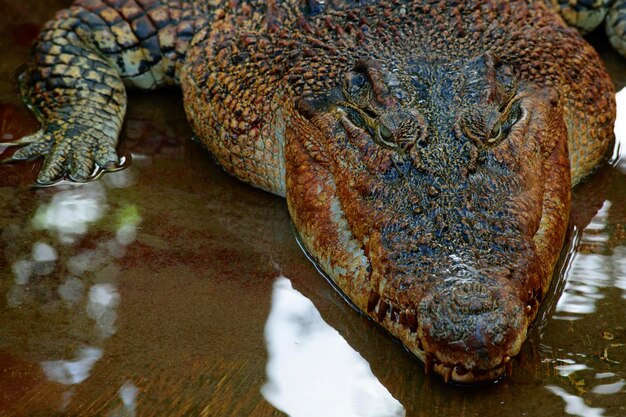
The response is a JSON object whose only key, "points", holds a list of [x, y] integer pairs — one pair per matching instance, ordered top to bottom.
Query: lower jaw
{"points": [[458, 374], [468, 377]]}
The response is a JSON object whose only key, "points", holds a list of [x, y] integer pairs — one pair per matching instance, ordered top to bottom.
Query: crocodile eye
{"points": [[354, 84], [502, 127], [496, 132], [385, 133]]}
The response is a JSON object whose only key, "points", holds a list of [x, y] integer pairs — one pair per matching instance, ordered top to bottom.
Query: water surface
{"points": [[170, 288]]}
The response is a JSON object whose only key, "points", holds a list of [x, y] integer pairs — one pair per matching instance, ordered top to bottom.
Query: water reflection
{"points": [[620, 131], [71, 211], [64, 262], [620, 266], [598, 267], [588, 273], [71, 291], [103, 301], [570, 366], [311, 370], [71, 372], [606, 389], [128, 396], [575, 405]]}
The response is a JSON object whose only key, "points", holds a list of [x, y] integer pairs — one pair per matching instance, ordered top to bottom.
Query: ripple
{"points": [[588, 272], [70, 372], [605, 389], [575, 405]]}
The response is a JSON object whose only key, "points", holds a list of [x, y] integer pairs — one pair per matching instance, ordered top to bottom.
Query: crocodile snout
{"points": [[471, 325]]}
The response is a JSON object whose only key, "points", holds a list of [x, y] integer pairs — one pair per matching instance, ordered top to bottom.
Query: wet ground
{"points": [[170, 288]]}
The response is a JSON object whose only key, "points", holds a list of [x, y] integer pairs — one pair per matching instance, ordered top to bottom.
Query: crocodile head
{"points": [[436, 196]]}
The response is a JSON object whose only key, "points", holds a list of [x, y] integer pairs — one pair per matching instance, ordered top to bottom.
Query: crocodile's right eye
{"points": [[355, 82], [357, 88], [502, 127], [385, 133], [495, 134]]}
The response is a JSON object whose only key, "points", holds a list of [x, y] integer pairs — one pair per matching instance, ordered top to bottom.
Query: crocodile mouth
{"points": [[390, 317], [466, 329]]}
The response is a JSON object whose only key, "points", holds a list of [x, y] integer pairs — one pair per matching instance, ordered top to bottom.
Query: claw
{"points": [[14, 79], [26, 140], [14, 143], [32, 150], [106, 158], [13, 159], [64, 161], [117, 165], [94, 175], [38, 184], [428, 364], [508, 365], [447, 373]]}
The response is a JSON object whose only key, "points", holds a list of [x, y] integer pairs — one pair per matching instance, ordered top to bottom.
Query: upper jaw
{"points": [[465, 324]]}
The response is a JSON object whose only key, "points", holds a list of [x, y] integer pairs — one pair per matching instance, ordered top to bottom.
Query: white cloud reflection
{"points": [[620, 131], [70, 211], [619, 256], [588, 273], [102, 304], [570, 368], [311, 370], [70, 372], [606, 389], [128, 395], [575, 405]]}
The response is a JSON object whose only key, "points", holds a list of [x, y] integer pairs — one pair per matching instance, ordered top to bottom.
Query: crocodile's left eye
{"points": [[354, 83], [357, 88], [502, 127], [385, 133], [496, 133]]}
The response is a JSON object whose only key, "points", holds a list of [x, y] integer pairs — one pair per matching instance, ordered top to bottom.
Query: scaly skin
{"points": [[586, 15], [615, 26], [426, 151]]}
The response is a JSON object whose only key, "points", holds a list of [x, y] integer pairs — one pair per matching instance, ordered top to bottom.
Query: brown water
{"points": [[155, 292]]}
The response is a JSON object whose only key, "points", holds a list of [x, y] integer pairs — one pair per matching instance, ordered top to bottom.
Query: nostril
{"points": [[472, 298]]}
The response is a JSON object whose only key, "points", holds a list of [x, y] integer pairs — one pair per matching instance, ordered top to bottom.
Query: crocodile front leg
{"points": [[75, 82]]}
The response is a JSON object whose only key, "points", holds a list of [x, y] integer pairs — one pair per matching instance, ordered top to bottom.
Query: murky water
{"points": [[170, 288]]}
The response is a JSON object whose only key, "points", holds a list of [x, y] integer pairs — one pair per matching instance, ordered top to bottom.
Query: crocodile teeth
{"points": [[372, 301], [382, 308], [395, 313], [402, 318], [411, 321], [419, 344], [429, 363], [508, 365], [460, 370]]}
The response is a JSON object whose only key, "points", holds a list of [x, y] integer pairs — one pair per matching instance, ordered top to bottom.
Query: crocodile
{"points": [[426, 149]]}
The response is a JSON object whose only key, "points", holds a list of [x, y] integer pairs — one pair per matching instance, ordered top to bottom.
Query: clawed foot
{"points": [[74, 154]]}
